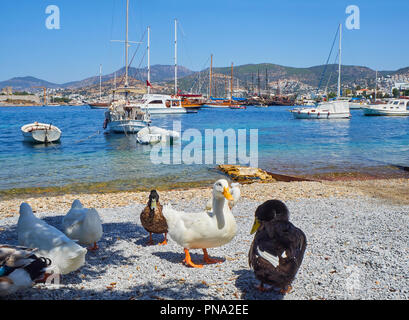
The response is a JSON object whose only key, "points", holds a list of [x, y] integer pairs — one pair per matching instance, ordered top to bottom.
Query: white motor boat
{"points": [[161, 104], [394, 107], [325, 110], [40, 133], [152, 135]]}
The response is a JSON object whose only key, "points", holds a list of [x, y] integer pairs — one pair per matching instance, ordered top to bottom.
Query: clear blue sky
{"points": [[295, 33]]}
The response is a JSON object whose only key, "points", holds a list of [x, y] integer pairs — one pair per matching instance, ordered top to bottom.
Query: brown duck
{"points": [[152, 218], [278, 247]]}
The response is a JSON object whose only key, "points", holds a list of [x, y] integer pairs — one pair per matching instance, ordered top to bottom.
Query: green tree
{"points": [[395, 93]]}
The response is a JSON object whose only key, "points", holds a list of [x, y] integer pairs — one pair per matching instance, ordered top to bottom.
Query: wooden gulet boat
{"points": [[40, 133]]}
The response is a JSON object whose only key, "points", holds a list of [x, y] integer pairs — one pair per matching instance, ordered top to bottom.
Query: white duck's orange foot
{"points": [[94, 247], [209, 260], [188, 261]]}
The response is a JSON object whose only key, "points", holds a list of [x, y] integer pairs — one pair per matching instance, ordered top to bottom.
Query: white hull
{"points": [[357, 105], [395, 107], [165, 110], [326, 110], [379, 112], [320, 115], [126, 126], [40, 133]]}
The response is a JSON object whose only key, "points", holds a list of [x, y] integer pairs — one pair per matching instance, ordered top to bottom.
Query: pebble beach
{"points": [[357, 234]]}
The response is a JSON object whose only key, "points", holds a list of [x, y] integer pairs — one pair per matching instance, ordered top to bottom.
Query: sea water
{"points": [[87, 160]]}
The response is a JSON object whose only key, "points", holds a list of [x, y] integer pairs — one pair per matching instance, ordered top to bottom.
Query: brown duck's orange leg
{"points": [[150, 241], [165, 241], [94, 247], [209, 260], [189, 262], [286, 290]]}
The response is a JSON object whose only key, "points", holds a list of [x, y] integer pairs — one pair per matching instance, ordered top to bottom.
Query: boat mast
{"points": [[126, 44], [176, 59], [149, 61], [339, 64], [210, 80], [100, 81], [258, 82], [376, 82], [231, 83], [267, 92], [113, 93]]}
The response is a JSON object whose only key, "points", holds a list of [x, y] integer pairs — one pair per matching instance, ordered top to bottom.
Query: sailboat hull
{"points": [[126, 126]]}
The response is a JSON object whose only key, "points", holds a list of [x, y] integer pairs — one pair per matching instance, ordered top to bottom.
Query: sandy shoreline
{"points": [[391, 190]]}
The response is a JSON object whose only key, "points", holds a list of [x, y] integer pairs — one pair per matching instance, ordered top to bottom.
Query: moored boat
{"points": [[161, 104], [99, 105], [395, 107], [335, 109], [325, 110], [123, 116], [40, 133], [152, 135]]}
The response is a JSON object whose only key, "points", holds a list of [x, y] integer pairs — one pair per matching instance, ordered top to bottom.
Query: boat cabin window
{"points": [[156, 102], [396, 103], [402, 103]]}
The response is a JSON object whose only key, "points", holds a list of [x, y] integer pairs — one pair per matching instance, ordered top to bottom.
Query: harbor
{"points": [[166, 159]]}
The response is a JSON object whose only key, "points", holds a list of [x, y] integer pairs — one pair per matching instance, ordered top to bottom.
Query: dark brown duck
{"points": [[278, 247]]}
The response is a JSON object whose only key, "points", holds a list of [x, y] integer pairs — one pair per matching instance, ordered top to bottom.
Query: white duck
{"points": [[235, 192], [83, 224], [203, 229], [65, 255], [19, 268]]}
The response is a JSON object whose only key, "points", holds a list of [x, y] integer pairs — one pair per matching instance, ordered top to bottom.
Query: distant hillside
{"points": [[158, 73], [247, 75], [312, 76], [23, 83]]}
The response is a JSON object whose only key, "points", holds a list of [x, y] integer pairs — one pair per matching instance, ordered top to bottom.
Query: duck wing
{"points": [[74, 217], [277, 252]]}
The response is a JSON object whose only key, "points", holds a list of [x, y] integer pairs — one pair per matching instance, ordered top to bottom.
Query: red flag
{"points": [[148, 84]]}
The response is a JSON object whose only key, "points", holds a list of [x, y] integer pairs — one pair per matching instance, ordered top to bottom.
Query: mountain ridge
{"points": [[165, 73]]}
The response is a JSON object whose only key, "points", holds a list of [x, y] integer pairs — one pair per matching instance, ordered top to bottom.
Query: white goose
{"points": [[83, 224], [201, 230], [65, 255], [19, 268]]}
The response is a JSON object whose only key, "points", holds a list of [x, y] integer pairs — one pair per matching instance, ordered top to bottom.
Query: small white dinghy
{"points": [[40, 132], [152, 135]]}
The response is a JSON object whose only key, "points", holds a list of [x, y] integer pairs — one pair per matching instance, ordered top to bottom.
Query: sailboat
{"points": [[161, 103], [220, 103], [100, 104], [336, 109], [123, 116]]}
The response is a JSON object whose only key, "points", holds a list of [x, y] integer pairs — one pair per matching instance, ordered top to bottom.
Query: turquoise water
{"points": [[86, 157]]}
